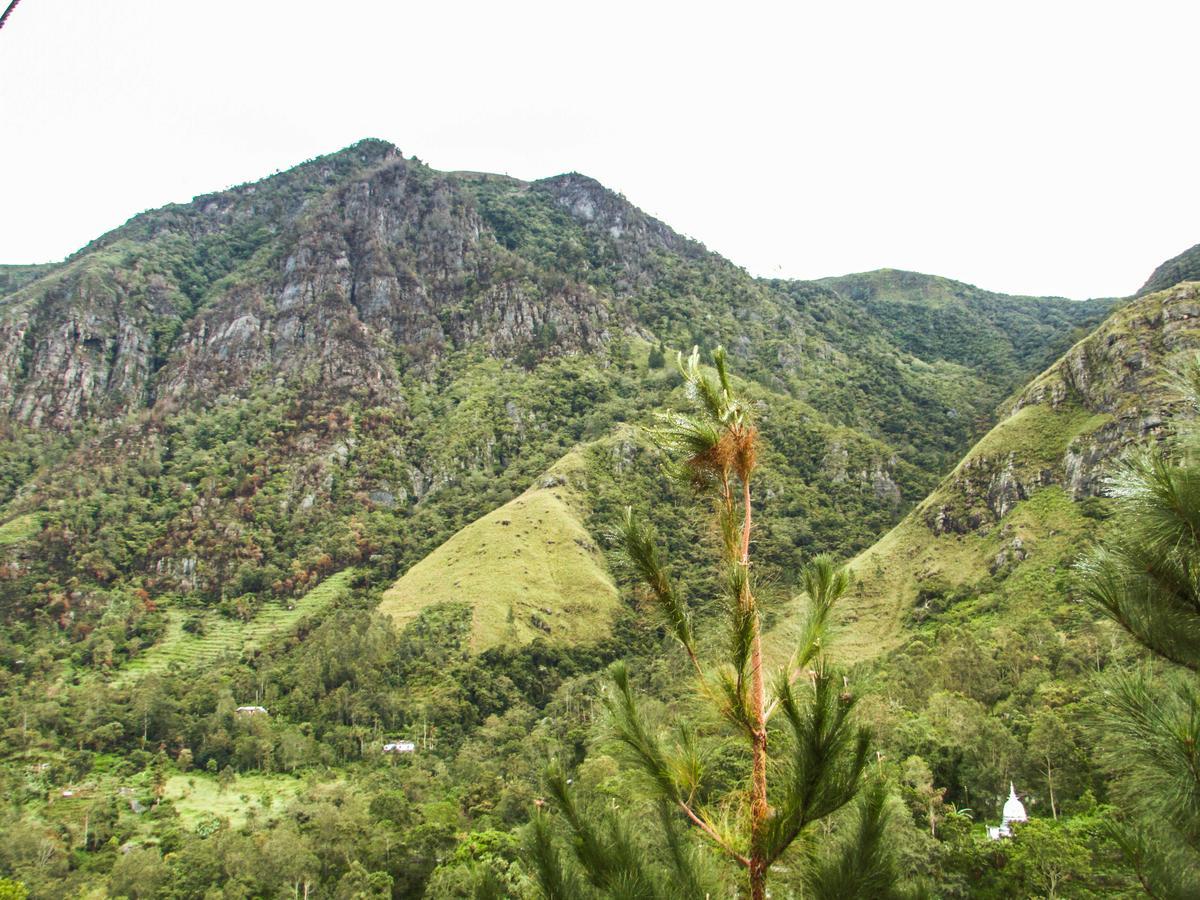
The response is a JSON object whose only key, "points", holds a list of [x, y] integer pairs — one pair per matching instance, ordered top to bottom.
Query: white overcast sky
{"points": [[1045, 148]]}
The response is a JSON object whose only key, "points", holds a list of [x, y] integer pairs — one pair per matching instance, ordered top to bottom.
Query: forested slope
{"points": [[229, 425]]}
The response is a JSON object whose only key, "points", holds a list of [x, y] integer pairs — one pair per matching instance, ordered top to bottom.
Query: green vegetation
{"points": [[1178, 269], [940, 319], [287, 397], [715, 449], [22, 528], [528, 569], [1143, 577], [192, 640], [201, 799]]}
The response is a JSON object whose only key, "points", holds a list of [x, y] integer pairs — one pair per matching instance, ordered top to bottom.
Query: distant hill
{"points": [[1184, 267], [937, 318]]}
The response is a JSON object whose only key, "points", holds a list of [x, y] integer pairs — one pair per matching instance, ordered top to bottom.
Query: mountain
{"points": [[1184, 267], [999, 337], [356, 343], [331, 459], [1008, 520]]}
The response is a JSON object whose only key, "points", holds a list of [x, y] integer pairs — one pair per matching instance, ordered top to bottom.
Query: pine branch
{"points": [[638, 541], [824, 585], [1156, 729], [642, 746], [828, 758], [710, 830], [611, 858], [859, 866], [693, 877], [555, 882]]}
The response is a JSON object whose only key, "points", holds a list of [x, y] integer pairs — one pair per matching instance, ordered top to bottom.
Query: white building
{"points": [[251, 711], [399, 747], [1014, 811]]}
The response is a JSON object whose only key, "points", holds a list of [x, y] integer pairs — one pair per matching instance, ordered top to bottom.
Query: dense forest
{"points": [[342, 554]]}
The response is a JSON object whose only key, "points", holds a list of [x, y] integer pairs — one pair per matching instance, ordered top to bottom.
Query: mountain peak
{"points": [[603, 209]]}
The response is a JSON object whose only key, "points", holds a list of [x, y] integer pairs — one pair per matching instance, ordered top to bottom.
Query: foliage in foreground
{"points": [[1146, 577], [791, 776]]}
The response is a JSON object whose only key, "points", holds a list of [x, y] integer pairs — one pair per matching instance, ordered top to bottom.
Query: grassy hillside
{"points": [[1003, 527], [528, 570], [214, 637], [200, 799]]}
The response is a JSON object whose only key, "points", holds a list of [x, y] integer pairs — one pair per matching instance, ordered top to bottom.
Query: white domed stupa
{"points": [[1014, 811]]}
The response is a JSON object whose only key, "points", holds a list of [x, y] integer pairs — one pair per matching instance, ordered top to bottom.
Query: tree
{"points": [[657, 358], [1146, 578], [1050, 742], [822, 755], [159, 774], [917, 777], [1044, 855], [138, 874], [360, 884]]}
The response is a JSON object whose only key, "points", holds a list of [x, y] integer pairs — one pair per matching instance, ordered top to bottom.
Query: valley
{"points": [[350, 444]]}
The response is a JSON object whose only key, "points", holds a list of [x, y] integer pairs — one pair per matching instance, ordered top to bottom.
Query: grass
{"points": [[1038, 434], [22, 528], [527, 570], [891, 575], [223, 637], [198, 797]]}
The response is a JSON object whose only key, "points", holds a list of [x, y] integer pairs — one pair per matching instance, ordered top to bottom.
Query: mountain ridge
{"points": [[1057, 440], [280, 472]]}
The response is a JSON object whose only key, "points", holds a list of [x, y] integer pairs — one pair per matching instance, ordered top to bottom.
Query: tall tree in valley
{"points": [[798, 771]]}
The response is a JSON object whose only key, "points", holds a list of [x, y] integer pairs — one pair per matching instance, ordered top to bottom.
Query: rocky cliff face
{"points": [[603, 212], [396, 261], [346, 271], [83, 342], [1107, 394]]}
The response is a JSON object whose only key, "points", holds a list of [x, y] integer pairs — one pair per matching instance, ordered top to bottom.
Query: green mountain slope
{"points": [[1184, 267], [997, 337], [348, 362], [213, 415], [1011, 516], [526, 570], [192, 642]]}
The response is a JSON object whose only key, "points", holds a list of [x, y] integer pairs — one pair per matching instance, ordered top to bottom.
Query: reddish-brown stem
{"points": [[746, 522], [695, 661], [759, 808], [712, 833]]}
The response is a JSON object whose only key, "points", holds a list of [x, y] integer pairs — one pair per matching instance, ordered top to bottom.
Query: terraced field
{"points": [[19, 529], [221, 637], [199, 798]]}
